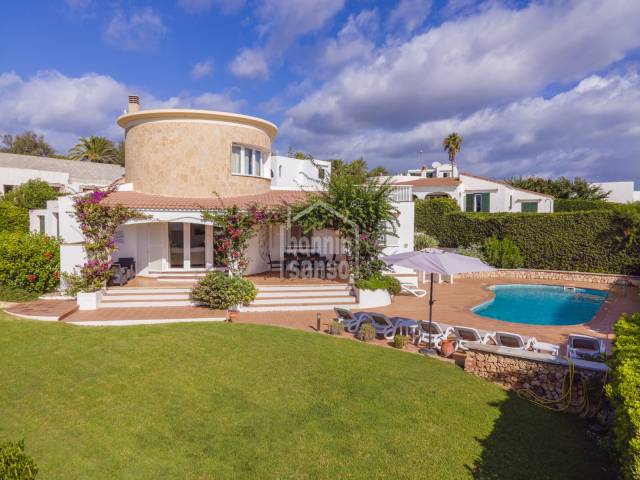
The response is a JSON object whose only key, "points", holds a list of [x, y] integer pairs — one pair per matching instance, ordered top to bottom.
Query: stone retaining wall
{"points": [[526, 274], [541, 375]]}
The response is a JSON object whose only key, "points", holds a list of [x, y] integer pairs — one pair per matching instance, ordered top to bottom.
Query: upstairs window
{"points": [[246, 161]]}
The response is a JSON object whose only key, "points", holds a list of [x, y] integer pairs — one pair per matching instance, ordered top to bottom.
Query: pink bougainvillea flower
{"points": [[31, 277]]}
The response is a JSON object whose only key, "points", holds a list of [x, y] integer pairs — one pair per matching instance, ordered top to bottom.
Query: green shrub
{"points": [[31, 195], [579, 205], [430, 212], [12, 218], [423, 240], [577, 241], [473, 250], [502, 253], [29, 261], [76, 282], [380, 282], [219, 291], [16, 295], [336, 328], [366, 332], [400, 341], [624, 392], [15, 464]]}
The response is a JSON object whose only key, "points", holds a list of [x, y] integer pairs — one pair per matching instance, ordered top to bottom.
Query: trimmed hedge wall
{"points": [[577, 205], [430, 212], [12, 218], [578, 241], [29, 261], [624, 392]]}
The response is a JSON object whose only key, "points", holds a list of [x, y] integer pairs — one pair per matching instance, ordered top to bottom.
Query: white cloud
{"points": [[200, 6], [410, 14], [280, 23], [140, 30], [352, 42], [491, 58], [250, 63], [202, 69], [64, 108], [586, 131]]}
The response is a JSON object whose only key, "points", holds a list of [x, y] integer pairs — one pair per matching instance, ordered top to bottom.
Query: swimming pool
{"points": [[542, 304]]}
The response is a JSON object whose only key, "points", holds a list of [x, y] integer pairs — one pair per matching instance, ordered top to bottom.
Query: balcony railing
{"points": [[401, 193]]}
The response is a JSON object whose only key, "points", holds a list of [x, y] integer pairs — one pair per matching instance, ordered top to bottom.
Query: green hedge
{"points": [[578, 205], [430, 212], [12, 218], [579, 241], [29, 261], [381, 282], [624, 392]]}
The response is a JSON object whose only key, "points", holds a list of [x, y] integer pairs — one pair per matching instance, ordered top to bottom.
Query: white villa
{"points": [[179, 162], [473, 193]]}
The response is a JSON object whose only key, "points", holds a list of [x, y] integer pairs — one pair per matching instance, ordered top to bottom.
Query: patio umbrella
{"points": [[436, 261]]}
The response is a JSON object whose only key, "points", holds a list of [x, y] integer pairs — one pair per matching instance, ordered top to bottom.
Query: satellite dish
{"points": [[436, 165]]}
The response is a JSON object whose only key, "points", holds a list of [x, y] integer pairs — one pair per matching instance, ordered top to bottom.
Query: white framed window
{"points": [[246, 161], [280, 171]]}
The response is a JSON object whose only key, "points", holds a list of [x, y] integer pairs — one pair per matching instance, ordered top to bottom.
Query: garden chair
{"points": [[129, 264], [274, 265], [119, 275], [351, 321], [383, 325], [437, 334], [469, 336], [585, 347]]}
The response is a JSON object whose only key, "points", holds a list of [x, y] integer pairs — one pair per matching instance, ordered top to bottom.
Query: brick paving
{"points": [[453, 303]]}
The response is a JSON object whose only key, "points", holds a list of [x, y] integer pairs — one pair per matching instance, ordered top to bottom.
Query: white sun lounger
{"points": [[351, 320], [384, 325], [437, 334], [469, 336], [515, 341], [584, 346]]}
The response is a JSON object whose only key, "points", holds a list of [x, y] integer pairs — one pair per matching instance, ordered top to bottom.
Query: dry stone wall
{"points": [[526, 274], [544, 376]]}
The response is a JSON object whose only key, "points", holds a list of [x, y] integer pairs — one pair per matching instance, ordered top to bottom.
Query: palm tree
{"points": [[452, 145], [95, 149]]}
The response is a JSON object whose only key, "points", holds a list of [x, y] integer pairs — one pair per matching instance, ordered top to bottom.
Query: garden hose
{"points": [[565, 398]]}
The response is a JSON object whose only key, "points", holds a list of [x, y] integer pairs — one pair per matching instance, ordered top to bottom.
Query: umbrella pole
{"points": [[430, 350]]}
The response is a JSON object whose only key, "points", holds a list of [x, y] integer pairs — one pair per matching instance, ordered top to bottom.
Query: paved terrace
{"points": [[452, 307]]}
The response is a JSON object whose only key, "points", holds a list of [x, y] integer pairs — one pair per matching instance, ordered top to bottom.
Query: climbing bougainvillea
{"points": [[98, 223], [233, 228]]}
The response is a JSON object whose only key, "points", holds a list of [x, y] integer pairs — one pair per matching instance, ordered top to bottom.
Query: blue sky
{"points": [[548, 87]]}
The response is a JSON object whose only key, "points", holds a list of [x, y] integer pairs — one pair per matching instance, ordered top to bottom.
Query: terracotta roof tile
{"points": [[431, 182], [145, 201]]}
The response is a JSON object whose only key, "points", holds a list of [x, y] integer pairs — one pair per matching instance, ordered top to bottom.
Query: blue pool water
{"points": [[542, 304]]}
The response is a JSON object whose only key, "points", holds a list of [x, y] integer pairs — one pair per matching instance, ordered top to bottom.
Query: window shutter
{"points": [[485, 202], [468, 206], [530, 207]]}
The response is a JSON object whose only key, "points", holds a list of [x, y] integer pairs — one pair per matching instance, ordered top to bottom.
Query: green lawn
{"points": [[211, 401]]}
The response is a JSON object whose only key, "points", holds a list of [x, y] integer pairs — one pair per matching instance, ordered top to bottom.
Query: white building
{"points": [[179, 162], [66, 176], [620, 192], [473, 193]]}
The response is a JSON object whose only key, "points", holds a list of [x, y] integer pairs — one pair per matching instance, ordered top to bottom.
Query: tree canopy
{"points": [[27, 143], [96, 149], [562, 187], [31, 195]]}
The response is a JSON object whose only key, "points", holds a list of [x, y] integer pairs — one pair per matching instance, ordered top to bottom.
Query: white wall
{"points": [[294, 174], [18, 176], [621, 192], [404, 232]]}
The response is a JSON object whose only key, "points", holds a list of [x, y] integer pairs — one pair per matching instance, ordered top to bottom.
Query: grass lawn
{"points": [[212, 401]]}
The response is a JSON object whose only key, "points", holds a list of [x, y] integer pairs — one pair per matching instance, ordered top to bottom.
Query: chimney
{"points": [[134, 104]]}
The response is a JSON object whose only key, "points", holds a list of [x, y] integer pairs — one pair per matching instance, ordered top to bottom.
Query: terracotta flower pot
{"points": [[232, 315], [447, 348]]}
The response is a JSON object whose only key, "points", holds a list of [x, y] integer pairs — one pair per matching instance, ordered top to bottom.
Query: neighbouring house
{"points": [[179, 162], [66, 176], [620, 192], [473, 193]]}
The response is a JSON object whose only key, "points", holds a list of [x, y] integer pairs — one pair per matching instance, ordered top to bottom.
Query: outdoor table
{"points": [[406, 326]]}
